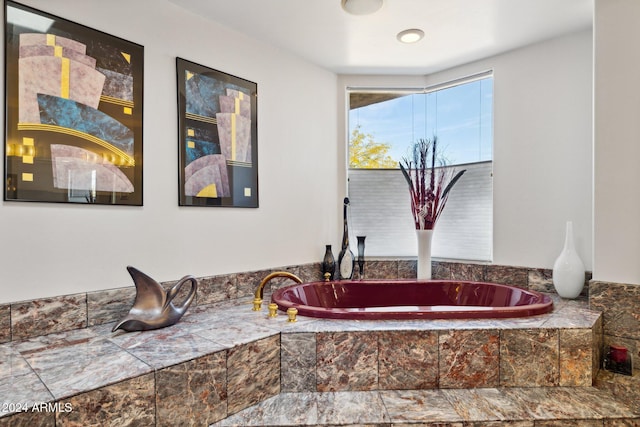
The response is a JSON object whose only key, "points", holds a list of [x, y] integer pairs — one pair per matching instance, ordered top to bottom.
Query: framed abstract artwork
{"points": [[73, 111], [218, 138]]}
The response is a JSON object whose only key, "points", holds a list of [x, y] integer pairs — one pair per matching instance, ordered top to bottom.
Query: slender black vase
{"points": [[361, 255], [346, 260], [328, 263]]}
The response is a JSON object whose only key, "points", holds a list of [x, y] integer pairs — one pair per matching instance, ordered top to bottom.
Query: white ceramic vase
{"points": [[424, 253], [568, 270]]}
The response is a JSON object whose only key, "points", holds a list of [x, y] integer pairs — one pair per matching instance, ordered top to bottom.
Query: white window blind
{"points": [[380, 209]]}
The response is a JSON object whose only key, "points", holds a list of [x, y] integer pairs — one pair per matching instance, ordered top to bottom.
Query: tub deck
{"points": [[224, 364]]}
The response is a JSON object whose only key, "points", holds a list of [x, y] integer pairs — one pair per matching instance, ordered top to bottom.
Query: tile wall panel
{"points": [[407, 269], [379, 270], [439, 270], [473, 272], [505, 275], [540, 280], [214, 289], [620, 304], [110, 305], [49, 315], [5, 323], [523, 349], [298, 356], [576, 357], [469, 359], [408, 360], [347, 361], [253, 373], [192, 393], [127, 403], [29, 419]]}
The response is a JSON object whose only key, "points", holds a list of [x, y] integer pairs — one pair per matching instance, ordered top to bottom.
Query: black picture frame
{"points": [[73, 112], [218, 138]]}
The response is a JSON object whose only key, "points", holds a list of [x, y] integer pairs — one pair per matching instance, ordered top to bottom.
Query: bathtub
{"points": [[410, 299]]}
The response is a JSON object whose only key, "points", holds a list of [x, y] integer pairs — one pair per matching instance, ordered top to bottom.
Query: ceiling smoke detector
{"points": [[361, 7]]}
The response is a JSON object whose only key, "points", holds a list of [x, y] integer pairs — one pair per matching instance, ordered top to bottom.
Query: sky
{"points": [[461, 117]]}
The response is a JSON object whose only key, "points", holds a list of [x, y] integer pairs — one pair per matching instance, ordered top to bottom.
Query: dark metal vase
{"points": [[361, 255], [346, 260], [328, 263]]}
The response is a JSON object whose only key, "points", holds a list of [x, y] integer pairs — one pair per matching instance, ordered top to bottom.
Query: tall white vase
{"points": [[424, 253], [568, 270]]}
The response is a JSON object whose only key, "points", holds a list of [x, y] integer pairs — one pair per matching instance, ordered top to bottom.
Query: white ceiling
{"points": [[457, 31]]}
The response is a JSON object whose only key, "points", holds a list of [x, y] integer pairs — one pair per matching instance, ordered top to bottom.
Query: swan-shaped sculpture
{"points": [[153, 307]]}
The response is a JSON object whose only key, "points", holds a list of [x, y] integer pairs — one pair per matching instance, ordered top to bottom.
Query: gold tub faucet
{"points": [[257, 301]]}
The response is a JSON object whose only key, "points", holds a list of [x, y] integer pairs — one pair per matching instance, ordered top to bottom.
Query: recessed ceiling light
{"points": [[361, 7], [410, 36]]}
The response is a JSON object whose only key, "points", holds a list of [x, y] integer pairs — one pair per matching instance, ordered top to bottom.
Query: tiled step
{"points": [[625, 388], [480, 407]]}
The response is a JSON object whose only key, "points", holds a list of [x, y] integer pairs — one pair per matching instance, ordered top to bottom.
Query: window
{"points": [[383, 124]]}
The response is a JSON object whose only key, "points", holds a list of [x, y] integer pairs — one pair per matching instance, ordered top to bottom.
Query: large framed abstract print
{"points": [[73, 112], [218, 138]]}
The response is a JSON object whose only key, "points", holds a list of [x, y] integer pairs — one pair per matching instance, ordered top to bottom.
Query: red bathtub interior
{"points": [[410, 299]]}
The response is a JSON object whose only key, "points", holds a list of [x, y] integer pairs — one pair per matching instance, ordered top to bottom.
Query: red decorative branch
{"points": [[426, 165]]}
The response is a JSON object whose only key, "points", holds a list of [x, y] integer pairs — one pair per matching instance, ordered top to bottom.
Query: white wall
{"points": [[617, 142], [542, 145], [542, 153], [57, 249]]}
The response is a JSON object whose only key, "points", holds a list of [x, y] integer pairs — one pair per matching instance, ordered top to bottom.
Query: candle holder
{"points": [[361, 255], [618, 359]]}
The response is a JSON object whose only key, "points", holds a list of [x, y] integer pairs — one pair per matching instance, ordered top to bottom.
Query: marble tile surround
{"points": [[620, 304], [101, 308], [26, 319], [445, 354], [186, 362]]}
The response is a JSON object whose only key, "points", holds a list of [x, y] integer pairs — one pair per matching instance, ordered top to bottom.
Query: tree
{"points": [[365, 153]]}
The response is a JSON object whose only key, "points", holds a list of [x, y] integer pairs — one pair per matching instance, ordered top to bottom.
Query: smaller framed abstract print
{"points": [[73, 110], [218, 138]]}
